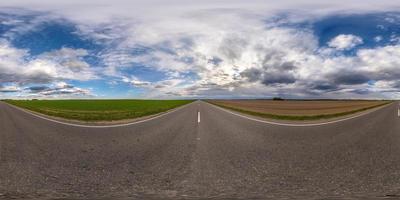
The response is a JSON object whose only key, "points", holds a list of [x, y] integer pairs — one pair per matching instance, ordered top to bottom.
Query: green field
{"points": [[98, 110]]}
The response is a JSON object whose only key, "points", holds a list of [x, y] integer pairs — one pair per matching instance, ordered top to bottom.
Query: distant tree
{"points": [[277, 99]]}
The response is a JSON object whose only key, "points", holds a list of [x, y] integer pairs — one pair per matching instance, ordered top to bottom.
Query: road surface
{"points": [[200, 151]]}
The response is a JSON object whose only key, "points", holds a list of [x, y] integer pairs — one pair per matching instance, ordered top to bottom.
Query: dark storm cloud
{"points": [[215, 60], [275, 70], [252, 74], [387, 74], [7, 77], [34, 77], [37, 77], [269, 77], [278, 78], [350, 78], [396, 84], [323, 86], [36, 89], [47, 89], [8, 91], [65, 91], [361, 91], [60, 92]]}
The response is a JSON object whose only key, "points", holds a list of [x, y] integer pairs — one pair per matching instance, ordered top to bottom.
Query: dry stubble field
{"points": [[299, 109]]}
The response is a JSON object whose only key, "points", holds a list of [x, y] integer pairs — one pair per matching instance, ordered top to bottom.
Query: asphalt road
{"points": [[200, 151]]}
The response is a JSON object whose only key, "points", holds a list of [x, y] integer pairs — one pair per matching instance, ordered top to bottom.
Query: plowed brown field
{"points": [[298, 107]]}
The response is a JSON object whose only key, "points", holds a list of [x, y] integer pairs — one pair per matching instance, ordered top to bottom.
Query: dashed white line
{"points": [[398, 111], [198, 116]]}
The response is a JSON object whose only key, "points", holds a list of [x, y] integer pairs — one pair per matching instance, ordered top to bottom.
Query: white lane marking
{"points": [[398, 111], [198, 116], [295, 125], [100, 126]]}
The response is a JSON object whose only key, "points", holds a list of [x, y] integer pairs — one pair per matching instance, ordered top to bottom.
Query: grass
{"points": [[98, 110], [299, 117]]}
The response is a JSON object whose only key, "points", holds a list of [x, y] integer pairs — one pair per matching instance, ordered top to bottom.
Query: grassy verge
{"points": [[98, 110], [299, 117]]}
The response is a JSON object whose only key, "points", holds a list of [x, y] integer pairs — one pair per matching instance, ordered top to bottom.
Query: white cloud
{"points": [[103, 10], [378, 38], [345, 42], [217, 54], [246, 57], [382, 63], [16, 66], [137, 83], [9, 88], [159, 89], [55, 90], [63, 90]]}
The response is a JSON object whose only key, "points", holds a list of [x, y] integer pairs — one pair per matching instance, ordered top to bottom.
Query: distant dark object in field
{"points": [[278, 99]]}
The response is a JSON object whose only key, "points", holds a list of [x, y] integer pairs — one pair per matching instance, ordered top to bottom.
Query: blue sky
{"points": [[199, 50]]}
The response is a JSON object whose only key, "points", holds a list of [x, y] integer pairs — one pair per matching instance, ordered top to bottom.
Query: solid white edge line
{"points": [[294, 125], [100, 126]]}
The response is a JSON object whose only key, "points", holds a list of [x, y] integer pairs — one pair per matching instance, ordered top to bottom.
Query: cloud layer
{"points": [[200, 50]]}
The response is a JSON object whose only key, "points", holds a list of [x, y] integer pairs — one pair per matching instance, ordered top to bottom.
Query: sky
{"points": [[153, 49]]}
